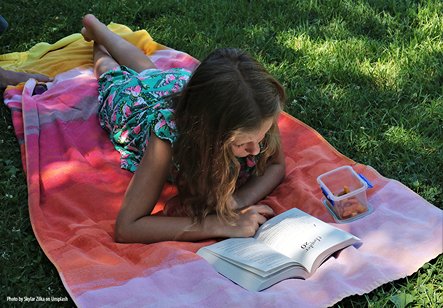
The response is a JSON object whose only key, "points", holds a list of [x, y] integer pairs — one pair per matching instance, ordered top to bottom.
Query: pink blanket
{"points": [[76, 187]]}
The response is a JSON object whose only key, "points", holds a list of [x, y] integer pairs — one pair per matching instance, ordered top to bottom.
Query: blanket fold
{"points": [[76, 186]]}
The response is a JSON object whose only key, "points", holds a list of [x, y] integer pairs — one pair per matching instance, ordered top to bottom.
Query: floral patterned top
{"points": [[131, 105]]}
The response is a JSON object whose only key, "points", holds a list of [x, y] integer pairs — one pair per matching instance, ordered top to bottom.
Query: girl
{"points": [[215, 133]]}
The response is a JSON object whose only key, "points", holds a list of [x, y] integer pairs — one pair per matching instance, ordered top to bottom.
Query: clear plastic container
{"points": [[345, 194]]}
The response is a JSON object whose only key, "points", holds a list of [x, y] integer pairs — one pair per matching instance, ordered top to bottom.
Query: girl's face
{"points": [[245, 144]]}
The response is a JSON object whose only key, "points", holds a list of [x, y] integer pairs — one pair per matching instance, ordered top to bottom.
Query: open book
{"points": [[290, 245]]}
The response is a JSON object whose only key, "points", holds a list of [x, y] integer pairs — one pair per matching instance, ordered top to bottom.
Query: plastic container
{"points": [[345, 194]]}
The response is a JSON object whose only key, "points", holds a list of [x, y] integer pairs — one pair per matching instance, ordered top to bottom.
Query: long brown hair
{"points": [[229, 93]]}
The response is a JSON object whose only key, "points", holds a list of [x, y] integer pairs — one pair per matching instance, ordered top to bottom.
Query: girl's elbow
{"points": [[121, 235]]}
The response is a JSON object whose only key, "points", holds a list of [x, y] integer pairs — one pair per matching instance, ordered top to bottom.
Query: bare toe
{"points": [[88, 20], [90, 26], [85, 34]]}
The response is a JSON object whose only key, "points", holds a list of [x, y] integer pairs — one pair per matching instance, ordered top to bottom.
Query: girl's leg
{"points": [[123, 52], [103, 61]]}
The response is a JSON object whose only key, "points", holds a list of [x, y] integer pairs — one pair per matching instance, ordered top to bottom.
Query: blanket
{"points": [[76, 186]]}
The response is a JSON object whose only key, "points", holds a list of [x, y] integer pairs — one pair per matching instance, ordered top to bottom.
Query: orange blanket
{"points": [[76, 187]]}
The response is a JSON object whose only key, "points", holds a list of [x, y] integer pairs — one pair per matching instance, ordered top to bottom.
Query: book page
{"points": [[275, 235], [300, 236], [250, 253]]}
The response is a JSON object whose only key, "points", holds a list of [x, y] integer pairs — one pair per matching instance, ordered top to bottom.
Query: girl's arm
{"points": [[258, 187], [135, 225]]}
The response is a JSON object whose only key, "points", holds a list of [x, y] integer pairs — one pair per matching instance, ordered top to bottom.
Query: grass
{"points": [[366, 74]]}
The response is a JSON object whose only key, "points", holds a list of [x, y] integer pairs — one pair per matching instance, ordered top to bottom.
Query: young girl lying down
{"points": [[213, 131]]}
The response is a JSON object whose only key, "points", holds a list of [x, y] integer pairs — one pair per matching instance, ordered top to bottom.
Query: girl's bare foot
{"points": [[91, 27], [114, 49], [11, 78]]}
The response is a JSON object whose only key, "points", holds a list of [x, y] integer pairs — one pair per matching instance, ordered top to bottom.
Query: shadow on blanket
{"points": [[76, 187]]}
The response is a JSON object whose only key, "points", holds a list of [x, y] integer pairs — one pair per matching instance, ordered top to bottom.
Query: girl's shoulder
{"points": [[165, 73], [123, 76], [165, 81]]}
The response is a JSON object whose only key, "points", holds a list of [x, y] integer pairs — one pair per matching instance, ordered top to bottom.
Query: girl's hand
{"points": [[249, 220]]}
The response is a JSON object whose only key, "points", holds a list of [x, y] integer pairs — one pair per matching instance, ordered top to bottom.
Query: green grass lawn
{"points": [[366, 74]]}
